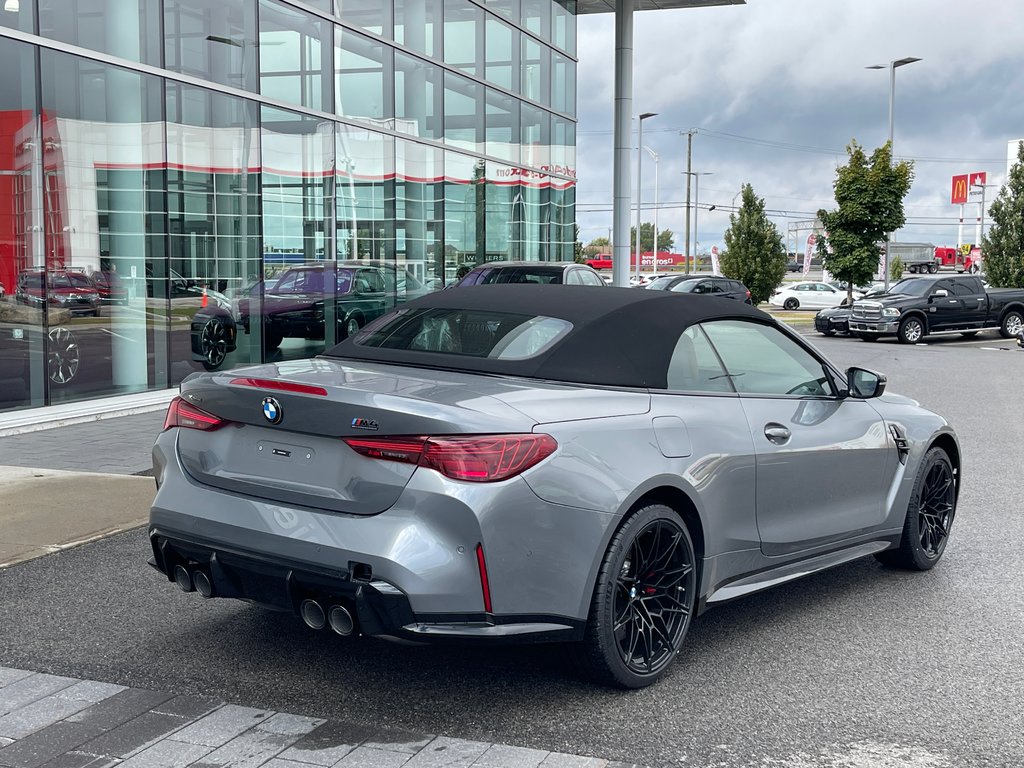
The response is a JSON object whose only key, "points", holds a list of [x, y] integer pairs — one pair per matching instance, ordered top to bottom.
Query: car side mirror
{"points": [[941, 293], [864, 384]]}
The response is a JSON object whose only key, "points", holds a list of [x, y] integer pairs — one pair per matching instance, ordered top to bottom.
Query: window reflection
{"points": [[371, 15], [419, 25], [126, 28], [463, 35], [212, 40], [502, 51], [295, 52], [362, 73], [535, 76], [563, 84], [418, 97], [463, 113], [502, 126], [465, 195], [103, 199], [298, 199], [419, 221], [211, 281], [23, 362]]}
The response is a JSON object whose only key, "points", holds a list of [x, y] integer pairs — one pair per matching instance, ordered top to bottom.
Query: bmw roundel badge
{"points": [[272, 410]]}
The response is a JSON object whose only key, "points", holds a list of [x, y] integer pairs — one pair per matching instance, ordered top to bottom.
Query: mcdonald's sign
{"points": [[959, 192]]}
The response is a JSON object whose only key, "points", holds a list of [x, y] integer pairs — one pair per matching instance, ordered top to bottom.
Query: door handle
{"points": [[776, 433]]}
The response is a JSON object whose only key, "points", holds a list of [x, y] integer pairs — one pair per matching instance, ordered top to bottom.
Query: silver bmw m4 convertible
{"points": [[544, 463]]}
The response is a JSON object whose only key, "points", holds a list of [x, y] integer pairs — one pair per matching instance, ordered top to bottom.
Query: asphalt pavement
{"points": [[858, 666]]}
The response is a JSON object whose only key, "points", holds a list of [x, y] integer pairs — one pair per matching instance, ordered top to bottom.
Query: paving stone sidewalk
{"points": [[62, 722]]}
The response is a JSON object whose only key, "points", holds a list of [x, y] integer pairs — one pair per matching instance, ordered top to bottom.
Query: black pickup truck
{"points": [[916, 307]]}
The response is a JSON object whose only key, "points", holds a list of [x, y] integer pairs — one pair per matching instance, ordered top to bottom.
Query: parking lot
{"points": [[859, 666]]}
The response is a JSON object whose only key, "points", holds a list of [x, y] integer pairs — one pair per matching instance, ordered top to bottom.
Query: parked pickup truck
{"points": [[916, 307]]}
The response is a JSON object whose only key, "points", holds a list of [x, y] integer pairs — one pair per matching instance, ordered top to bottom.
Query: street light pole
{"points": [[892, 152], [654, 154], [639, 188]]}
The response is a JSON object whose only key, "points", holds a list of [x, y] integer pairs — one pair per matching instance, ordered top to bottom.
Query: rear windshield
{"points": [[536, 275], [495, 335]]}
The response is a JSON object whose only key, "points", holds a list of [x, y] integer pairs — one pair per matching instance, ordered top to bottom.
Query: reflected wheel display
{"points": [[214, 343], [62, 355], [643, 601]]}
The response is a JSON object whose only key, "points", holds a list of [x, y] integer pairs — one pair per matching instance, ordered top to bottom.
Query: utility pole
{"points": [[689, 157]]}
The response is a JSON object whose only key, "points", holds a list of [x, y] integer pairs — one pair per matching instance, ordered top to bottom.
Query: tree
{"points": [[869, 194], [666, 238], [599, 242], [1003, 247], [577, 253], [754, 254], [895, 268]]}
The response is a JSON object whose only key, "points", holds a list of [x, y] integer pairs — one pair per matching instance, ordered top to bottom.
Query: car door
{"points": [[973, 301], [945, 308], [823, 462]]}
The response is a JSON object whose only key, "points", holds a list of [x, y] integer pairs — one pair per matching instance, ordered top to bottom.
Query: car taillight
{"points": [[187, 416], [477, 459]]}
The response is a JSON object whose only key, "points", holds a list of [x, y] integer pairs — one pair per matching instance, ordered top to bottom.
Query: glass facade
{"points": [[204, 184]]}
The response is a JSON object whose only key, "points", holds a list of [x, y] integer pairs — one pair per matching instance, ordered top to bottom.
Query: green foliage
{"points": [[869, 193], [666, 238], [599, 242], [1003, 247], [753, 248], [577, 254], [895, 268]]}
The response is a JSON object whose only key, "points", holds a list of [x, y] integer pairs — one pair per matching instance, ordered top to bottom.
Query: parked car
{"points": [[794, 266], [537, 272], [706, 285], [110, 287], [62, 288], [807, 295], [293, 307], [916, 307], [833, 320], [505, 463]]}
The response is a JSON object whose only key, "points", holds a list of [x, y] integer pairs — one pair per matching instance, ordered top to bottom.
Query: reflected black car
{"points": [[533, 272], [706, 285], [293, 307]]}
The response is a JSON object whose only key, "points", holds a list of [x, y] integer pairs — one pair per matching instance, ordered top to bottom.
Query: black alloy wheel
{"points": [[791, 304], [352, 325], [213, 343], [62, 355], [929, 517], [643, 601]]}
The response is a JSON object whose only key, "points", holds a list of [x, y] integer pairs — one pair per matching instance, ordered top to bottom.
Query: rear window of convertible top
{"points": [[475, 333]]}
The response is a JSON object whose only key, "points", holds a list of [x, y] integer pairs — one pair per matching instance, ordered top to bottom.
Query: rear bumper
{"points": [[541, 557], [379, 607]]}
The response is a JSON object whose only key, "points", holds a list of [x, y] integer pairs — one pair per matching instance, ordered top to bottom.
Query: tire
{"points": [[933, 268], [912, 269], [791, 304], [1012, 325], [350, 327], [911, 330], [272, 339], [213, 343], [62, 356], [930, 515], [615, 650]]}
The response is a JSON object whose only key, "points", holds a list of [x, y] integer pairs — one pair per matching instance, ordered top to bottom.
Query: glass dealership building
{"points": [[171, 170]]}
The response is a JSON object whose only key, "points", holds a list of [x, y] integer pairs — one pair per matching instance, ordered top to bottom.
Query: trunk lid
{"points": [[302, 459]]}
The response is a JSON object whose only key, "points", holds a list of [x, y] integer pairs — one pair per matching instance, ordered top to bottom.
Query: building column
{"points": [[620, 168]]}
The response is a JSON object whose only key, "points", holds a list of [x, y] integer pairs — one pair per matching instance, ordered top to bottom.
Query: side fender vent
{"points": [[900, 439]]}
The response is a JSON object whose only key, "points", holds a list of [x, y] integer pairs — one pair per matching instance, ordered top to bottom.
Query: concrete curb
{"points": [[65, 414]]}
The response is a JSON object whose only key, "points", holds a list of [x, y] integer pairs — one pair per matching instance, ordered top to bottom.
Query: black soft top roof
{"points": [[620, 336]]}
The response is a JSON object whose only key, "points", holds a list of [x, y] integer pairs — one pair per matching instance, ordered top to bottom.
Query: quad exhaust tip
{"points": [[183, 579], [202, 582], [313, 614], [341, 620]]}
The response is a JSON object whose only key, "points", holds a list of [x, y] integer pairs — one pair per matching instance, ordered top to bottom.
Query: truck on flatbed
{"points": [[916, 307]]}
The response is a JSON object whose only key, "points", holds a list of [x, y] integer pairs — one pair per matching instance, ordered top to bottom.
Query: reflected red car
{"points": [[110, 287], [63, 289]]}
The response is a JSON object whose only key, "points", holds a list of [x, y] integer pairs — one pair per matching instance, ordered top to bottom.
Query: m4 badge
{"points": [[364, 424]]}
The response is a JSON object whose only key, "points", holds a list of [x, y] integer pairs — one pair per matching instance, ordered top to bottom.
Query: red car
{"points": [[109, 287], [63, 289]]}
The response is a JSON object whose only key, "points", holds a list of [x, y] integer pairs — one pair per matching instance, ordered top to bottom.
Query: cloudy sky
{"points": [[777, 88]]}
